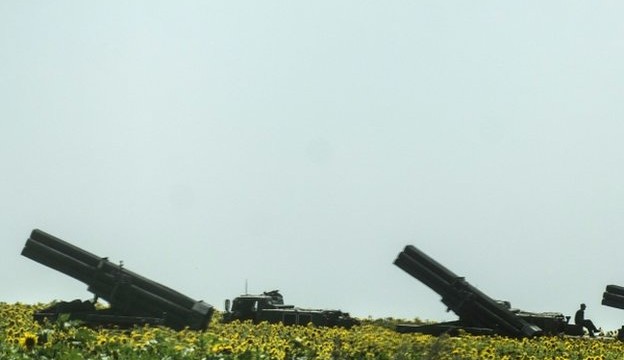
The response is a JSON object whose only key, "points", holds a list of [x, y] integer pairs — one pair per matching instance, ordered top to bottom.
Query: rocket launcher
{"points": [[133, 299], [478, 313]]}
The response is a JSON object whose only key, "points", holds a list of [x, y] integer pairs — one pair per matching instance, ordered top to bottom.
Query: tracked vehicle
{"points": [[133, 299], [269, 306], [478, 313]]}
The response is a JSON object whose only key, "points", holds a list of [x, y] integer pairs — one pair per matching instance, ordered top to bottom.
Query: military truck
{"points": [[133, 299], [269, 306], [478, 313]]}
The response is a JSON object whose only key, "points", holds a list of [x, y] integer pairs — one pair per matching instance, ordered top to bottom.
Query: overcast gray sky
{"points": [[301, 145]]}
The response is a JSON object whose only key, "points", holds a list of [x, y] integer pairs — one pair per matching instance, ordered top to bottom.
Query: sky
{"points": [[213, 146]]}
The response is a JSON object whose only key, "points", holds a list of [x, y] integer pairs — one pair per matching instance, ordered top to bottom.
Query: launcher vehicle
{"points": [[613, 296], [133, 299], [269, 307], [478, 313]]}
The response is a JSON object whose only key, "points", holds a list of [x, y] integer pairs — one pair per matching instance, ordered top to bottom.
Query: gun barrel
{"points": [[123, 289], [473, 307]]}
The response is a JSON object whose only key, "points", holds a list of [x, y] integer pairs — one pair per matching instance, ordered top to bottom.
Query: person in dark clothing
{"points": [[579, 319]]}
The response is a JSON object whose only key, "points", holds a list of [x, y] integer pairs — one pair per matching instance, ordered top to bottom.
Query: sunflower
{"points": [[28, 340]]}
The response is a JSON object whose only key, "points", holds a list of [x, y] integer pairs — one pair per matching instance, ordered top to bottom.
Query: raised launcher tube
{"points": [[613, 296], [132, 297], [478, 313]]}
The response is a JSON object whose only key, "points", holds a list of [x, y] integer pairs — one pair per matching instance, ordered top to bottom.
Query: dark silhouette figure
{"points": [[579, 319]]}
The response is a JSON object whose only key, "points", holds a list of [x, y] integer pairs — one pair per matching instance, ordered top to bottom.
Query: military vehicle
{"points": [[613, 296], [133, 299], [269, 306], [478, 313]]}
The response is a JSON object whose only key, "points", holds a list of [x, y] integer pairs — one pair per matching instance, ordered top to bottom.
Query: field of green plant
{"points": [[21, 338]]}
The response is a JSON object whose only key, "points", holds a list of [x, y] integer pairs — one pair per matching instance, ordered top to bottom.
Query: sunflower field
{"points": [[22, 338]]}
